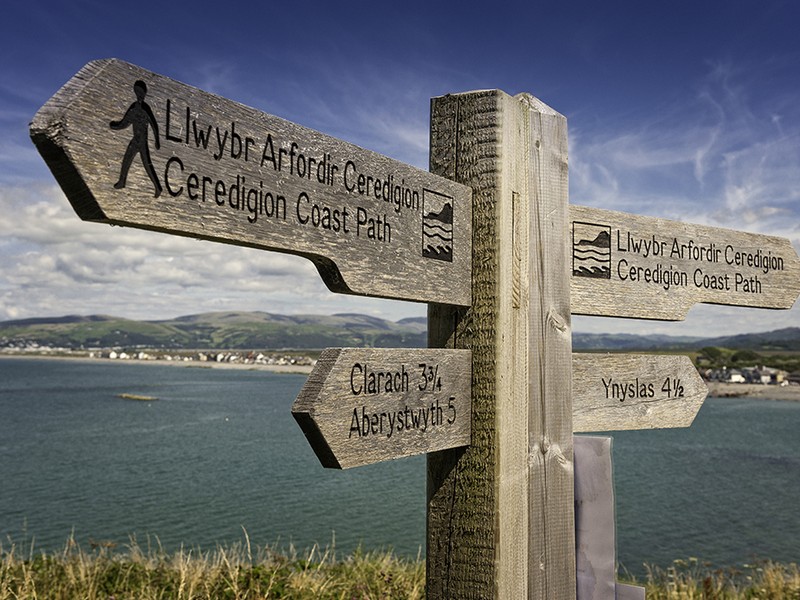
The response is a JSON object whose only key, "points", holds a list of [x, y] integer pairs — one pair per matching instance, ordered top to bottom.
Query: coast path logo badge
{"points": [[140, 118], [437, 226], [591, 250]]}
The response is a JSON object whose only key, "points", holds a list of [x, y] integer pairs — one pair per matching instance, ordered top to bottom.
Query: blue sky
{"points": [[682, 110]]}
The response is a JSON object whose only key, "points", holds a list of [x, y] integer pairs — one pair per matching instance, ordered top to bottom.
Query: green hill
{"points": [[219, 330], [262, 330]]}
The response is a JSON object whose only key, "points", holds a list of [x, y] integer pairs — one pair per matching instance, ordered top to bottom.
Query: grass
{"points": [[237, 572], [240, 572], [693, 580]]}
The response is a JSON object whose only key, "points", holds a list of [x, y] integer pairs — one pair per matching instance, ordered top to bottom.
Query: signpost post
{"points": [[502, 263], [500, 513]]}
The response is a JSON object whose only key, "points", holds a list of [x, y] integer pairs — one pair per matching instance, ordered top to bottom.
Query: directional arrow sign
{"points": [[130, 147], [631, 266], [614, 392], [364, 405]]}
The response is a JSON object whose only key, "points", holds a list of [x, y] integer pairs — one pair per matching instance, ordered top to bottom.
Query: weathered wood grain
{"points": [[183, 161], [632, 266], [615, 392], [366, 405], [500, 513], [463, 514], [551, 531]]}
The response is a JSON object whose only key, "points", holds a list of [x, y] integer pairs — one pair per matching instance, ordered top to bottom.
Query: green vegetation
{"points": [[220, 331], [717, 357], [234, 573], [242, 573], [693, 580]]}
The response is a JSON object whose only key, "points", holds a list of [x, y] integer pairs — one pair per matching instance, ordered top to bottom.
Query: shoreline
{"points": [[188, 364], [716, 389], [789, 393]]}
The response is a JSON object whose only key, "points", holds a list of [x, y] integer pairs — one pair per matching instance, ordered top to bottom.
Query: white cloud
{"points": [[720, 158], [56, 264]]}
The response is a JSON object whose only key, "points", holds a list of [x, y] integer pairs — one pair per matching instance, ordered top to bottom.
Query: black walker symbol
{"points": [[141, 117]]}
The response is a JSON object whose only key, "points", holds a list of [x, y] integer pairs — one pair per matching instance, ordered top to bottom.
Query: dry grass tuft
{"points": [[239, 572], [227, 573], [693, 580]]}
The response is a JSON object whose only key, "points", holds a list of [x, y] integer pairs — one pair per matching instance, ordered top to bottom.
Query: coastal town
{"points": [[278, 361], [756, 375], [753, 380]]}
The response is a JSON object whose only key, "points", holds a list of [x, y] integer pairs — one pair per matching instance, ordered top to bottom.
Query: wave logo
{"points": [[437, 226], [591, 250]]}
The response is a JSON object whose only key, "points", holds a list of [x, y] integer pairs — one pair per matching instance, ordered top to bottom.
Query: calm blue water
{"points": [[220, 452]]}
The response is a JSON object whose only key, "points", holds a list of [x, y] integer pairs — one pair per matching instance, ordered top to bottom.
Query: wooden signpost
{"points": [[130, 147], [530, 252], [630, 266], [614, 392], [496, 398], [365, 405], [500, 512]]}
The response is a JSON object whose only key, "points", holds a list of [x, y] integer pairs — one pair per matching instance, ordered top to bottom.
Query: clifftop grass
{"points": [[233, 573], [240, 573], [693, 580]]}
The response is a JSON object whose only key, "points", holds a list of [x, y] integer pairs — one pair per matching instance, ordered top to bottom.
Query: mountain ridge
{"points": [[258, 329], [216, 330]]}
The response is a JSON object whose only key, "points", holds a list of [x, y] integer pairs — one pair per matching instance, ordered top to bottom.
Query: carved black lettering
{"points": [[168, 134], [201, 136], [222, 141], [236, 142], [268, 154], [174, 160], [355, 424]]}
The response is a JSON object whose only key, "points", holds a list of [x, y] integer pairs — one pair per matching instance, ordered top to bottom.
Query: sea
{"points": [[219, 460]]}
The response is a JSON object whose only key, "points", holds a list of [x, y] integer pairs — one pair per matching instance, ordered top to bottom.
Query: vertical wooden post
{"points": [[500, 513]]}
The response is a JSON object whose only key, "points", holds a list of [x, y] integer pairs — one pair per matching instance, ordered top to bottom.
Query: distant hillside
{"points": [[220, 330], [261, 330], [787, 339], [630, 342]]}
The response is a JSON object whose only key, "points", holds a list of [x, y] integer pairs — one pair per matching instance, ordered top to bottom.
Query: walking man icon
{"points": [[140, 116]]}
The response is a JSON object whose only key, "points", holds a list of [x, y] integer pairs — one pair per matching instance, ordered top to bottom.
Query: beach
{"points": [[189, 364], [717, 389]]}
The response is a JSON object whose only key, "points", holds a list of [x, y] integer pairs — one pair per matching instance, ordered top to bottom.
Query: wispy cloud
{"points": [[722, 157], [725, 157], [54, 264]]}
